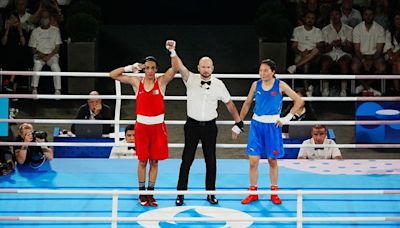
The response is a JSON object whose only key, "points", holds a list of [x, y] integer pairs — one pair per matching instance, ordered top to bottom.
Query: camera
{"points": [[39, 134], [6, 168]]}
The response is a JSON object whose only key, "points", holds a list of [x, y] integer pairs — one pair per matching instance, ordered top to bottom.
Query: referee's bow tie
{"points": [[205, 82]]}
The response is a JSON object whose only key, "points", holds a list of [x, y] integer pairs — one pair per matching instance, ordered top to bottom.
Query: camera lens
{"points": [[40, 134]]}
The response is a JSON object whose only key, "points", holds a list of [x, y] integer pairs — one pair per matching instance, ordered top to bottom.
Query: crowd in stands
{"points": [[329, 37], [346, 37], [30, 38]]}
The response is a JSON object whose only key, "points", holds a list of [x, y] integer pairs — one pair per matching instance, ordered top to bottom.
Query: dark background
{"points": [[178, 12]]}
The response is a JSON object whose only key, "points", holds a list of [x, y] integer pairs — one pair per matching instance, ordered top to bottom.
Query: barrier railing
{"points": [[114, 219]]}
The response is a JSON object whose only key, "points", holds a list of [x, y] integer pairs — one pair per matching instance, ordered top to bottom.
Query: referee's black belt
{"points": [[201, 123]]}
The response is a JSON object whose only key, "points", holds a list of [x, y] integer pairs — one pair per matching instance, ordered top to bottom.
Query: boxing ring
{"points": [[99, 192]]}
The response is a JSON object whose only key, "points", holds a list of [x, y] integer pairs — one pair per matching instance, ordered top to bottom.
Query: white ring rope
{"points": [[230, 76], [184, 98], [182, 122], [181, 145], [197, 192], [115, 193], [199, 219]]}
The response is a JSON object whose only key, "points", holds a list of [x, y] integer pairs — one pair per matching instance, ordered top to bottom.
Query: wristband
{"points": [[173, 53], [128, 68], [287, 118], [236, 129]]}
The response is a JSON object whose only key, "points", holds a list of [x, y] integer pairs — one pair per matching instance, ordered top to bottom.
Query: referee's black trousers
{"points": [[196, 131]]}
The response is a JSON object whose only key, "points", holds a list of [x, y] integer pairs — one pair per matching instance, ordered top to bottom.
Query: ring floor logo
{"points": [[166, 216]]}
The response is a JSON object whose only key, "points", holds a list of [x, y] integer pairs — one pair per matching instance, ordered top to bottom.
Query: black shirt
{"points": [[105, 114], [33, 153]]}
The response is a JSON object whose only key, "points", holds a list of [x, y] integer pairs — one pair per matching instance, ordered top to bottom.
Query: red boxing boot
{"points": [[250, 198], [275, 198]]}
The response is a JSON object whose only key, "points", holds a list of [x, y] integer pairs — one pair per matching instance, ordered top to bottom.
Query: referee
{"points": [[203, 92]]}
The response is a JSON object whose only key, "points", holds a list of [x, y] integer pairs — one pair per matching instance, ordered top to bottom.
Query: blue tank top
{"points": [[268, 102]]}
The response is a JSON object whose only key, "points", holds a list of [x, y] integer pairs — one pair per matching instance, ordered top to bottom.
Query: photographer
{"points": [[34, 156]]}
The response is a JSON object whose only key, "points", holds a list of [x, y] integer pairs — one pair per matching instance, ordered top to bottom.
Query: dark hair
{"points": [[335, 8], [368, 8], [309, 12], [8, 14], [392, 29], [150, 58], [270, 63], [302, 91], [319, 126], [130, 127]]}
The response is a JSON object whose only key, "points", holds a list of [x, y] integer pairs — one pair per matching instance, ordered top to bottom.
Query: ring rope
{"points": [[232, 76], [184, 98], [182, 122], [181, 145], [198, 192], [299, 218], [200, 219]]}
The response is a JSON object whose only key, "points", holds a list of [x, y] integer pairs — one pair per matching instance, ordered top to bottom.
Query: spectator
{"points": [[318, 8], [381, 8], [24, 16], [56, 16], [350, 16], [338, 39], [369, 40], [14, 41], [307, 42], [45, 43], [392, 51], [94, 109], [306, 112], [319, 136], [125, 152], [33, 156]]}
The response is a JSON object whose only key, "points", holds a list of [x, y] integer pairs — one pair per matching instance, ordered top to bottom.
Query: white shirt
{"points": [[3, 3], [353, 19], [26, 25], [330, 34], [368, 39], [45, 40], [307, 40], [389, 45], [202, 100], [122, 152], [325, 153]]}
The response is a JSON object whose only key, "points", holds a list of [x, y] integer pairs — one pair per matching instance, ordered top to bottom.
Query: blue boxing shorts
{"points": [[265, 140]]}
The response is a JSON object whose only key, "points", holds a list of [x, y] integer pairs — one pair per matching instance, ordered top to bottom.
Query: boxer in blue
{"points": [[265, 135]]}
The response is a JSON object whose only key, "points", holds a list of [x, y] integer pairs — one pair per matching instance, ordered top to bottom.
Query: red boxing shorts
{"points": [[151, 141]]}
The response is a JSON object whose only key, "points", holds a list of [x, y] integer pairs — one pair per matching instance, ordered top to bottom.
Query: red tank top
{"points": [[149, 103]]}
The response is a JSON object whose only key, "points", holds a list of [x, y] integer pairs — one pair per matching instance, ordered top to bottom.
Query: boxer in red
{"points": [[151, 139]]}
